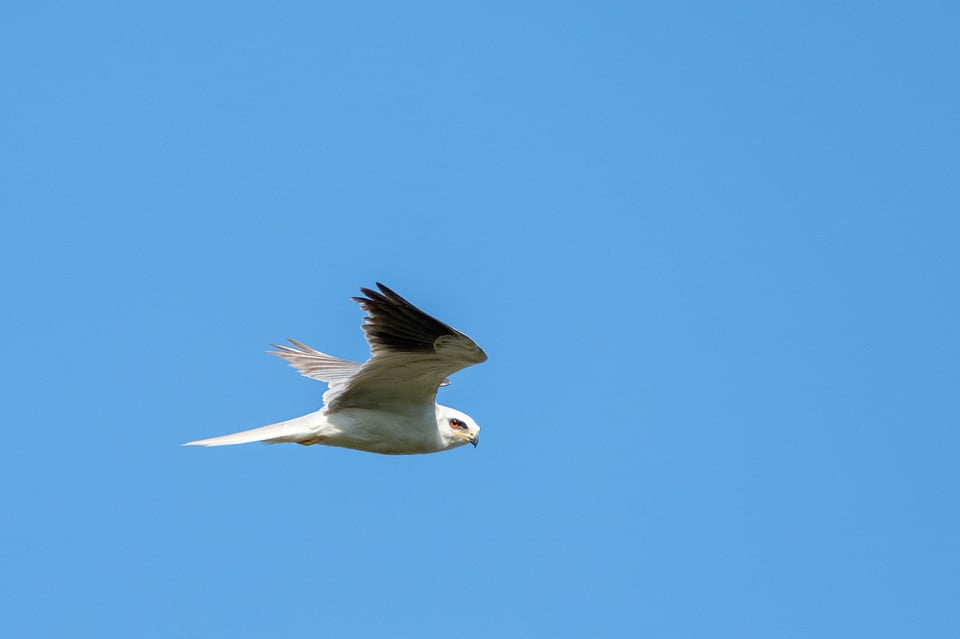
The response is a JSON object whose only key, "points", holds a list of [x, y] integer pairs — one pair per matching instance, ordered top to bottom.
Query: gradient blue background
{"points": [[711, 250]]}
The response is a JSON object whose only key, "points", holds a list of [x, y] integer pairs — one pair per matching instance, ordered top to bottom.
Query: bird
{"points": [[387, 404]]}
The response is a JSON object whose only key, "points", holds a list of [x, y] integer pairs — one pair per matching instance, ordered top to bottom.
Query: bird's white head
{"points": [[456, 428]]}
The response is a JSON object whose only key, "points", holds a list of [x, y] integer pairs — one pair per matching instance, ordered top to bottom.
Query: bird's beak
{"points": [[475, 439]]}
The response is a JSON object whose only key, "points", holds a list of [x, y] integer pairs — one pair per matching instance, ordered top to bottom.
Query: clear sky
{"points": [[710, 248]]}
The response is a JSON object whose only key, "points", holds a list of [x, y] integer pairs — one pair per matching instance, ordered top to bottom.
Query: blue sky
{"points": [[710, 250]]}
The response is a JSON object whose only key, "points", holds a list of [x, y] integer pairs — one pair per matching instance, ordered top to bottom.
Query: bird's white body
{"points": [[387, 404], [373, 431]]}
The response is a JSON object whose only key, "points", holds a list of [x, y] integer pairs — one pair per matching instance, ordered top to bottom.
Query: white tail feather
{"points": [[293, 430]]}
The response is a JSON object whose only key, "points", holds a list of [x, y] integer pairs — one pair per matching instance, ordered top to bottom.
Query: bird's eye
{"points": [[456, 423]]}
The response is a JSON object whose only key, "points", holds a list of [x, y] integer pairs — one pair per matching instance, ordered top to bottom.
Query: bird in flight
{"points": [[388, 403]]}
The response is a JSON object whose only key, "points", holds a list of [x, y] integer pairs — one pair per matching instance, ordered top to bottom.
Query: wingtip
{"points": [[387, 293], [369, 294], [376, 297]]}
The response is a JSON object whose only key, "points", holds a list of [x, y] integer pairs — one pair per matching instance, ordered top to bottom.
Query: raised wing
{"points": [[413, 353], [314, 364], [319, 366]]}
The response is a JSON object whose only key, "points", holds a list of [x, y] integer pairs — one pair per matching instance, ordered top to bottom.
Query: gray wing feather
{"points": [[314, 364], [319, 366]]}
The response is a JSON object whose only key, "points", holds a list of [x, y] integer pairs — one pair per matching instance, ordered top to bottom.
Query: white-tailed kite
{"points": [[388, 403]]}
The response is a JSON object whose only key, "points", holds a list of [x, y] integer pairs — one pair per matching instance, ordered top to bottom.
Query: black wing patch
{"points": [[394, 324]]}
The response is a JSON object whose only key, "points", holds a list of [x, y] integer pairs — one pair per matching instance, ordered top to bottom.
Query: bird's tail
{"points": [[302, 429]]}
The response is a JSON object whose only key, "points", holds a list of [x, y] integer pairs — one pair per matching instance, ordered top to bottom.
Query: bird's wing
{"points": [[412, 355], [314, 364], [319, 366]]}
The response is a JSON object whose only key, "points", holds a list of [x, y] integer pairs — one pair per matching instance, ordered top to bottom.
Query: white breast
{"points": [[382, 432]]}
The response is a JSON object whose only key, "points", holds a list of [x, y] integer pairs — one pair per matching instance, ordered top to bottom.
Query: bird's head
{"points": [[456, 428]]}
